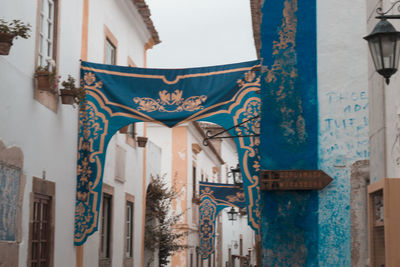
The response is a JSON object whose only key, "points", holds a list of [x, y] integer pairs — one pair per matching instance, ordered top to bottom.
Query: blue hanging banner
{"points": [[117, 96], [214, 198]]}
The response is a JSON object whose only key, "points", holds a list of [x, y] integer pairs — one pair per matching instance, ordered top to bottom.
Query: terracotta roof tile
{"points": [[255, 6], [144, 11]]}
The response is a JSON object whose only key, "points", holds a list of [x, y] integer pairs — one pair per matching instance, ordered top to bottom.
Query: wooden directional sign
{"points": [[294, 180]]}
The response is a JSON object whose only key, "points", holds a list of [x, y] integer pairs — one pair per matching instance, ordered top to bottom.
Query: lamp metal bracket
{"points": [[383, 15], [242, 125]]}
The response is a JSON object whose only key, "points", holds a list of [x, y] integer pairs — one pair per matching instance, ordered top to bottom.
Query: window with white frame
{"points": [[47, 33], [110, 47], [111, 52], [129, 227], [105, 228]]}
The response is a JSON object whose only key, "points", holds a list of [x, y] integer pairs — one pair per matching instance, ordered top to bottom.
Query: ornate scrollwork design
{"points": [[381, 13], [170, 102], [239, 197], [208, 212]]}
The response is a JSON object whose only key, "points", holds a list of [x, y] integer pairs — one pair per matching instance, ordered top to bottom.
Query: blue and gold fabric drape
{"points": [[116, 96], [214, 198]]}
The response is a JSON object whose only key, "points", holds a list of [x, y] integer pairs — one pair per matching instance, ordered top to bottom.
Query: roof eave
{"points": [[255, 7], [144, 11]]}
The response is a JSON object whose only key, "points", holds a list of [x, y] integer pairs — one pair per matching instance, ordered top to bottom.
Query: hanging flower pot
{"points": [[9, 31], [5, 43], [43, 80], [46, 80], [70, 94], [67, 96], [141, 140]]}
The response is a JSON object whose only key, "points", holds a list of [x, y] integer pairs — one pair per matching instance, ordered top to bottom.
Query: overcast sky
{"points": [[196, 33]]}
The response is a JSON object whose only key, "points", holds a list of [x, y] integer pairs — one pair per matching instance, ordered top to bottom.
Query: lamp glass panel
{"points": [[387, 45], [375, 48], [385, 51], [388, 51], [397, 53], [238, 178], [230, 216], [235, 216]]}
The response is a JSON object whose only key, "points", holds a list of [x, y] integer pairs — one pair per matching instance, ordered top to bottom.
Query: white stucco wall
{"points": [[123, 20], [343, 118], [162, 136], [47, 138]]}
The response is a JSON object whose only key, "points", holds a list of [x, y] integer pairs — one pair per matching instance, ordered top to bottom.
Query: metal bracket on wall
{"points": [[241, 125]]}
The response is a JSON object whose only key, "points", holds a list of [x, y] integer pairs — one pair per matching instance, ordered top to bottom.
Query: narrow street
{"points": [[184, 133]]}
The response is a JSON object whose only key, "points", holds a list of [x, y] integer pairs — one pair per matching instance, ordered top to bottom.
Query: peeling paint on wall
{"points": [[289, 118], [289, 130], [343, 138], [359, 213], [289, 229]]}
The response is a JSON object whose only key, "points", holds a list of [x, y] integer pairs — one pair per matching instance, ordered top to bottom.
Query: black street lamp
{"points": [[384, 44], [237, 175], [232, 214]]}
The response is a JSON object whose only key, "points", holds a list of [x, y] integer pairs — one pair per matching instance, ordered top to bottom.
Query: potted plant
{"points": [[11, 30], [46, 79], [70, 94], [141, 140]]}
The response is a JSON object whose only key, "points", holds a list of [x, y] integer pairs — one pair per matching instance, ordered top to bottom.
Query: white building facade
{"points": [[38, 136], [185, 163]]}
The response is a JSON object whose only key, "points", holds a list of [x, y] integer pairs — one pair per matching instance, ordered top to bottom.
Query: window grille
{"points": [[129, 228], [41, 231], [105, 231]]}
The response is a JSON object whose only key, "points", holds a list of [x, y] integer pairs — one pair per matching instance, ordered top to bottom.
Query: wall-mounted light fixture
{"points": [[384, 44], [141, 140], [236, 175], [232, 214], [235, 244]]}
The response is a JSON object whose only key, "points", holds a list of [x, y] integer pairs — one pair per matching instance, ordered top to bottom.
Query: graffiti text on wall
{"points": [[353, 120]]}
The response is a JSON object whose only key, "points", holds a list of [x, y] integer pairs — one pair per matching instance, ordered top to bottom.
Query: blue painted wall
{"points": [[311, 125], [289, 129], [343, 139]]}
